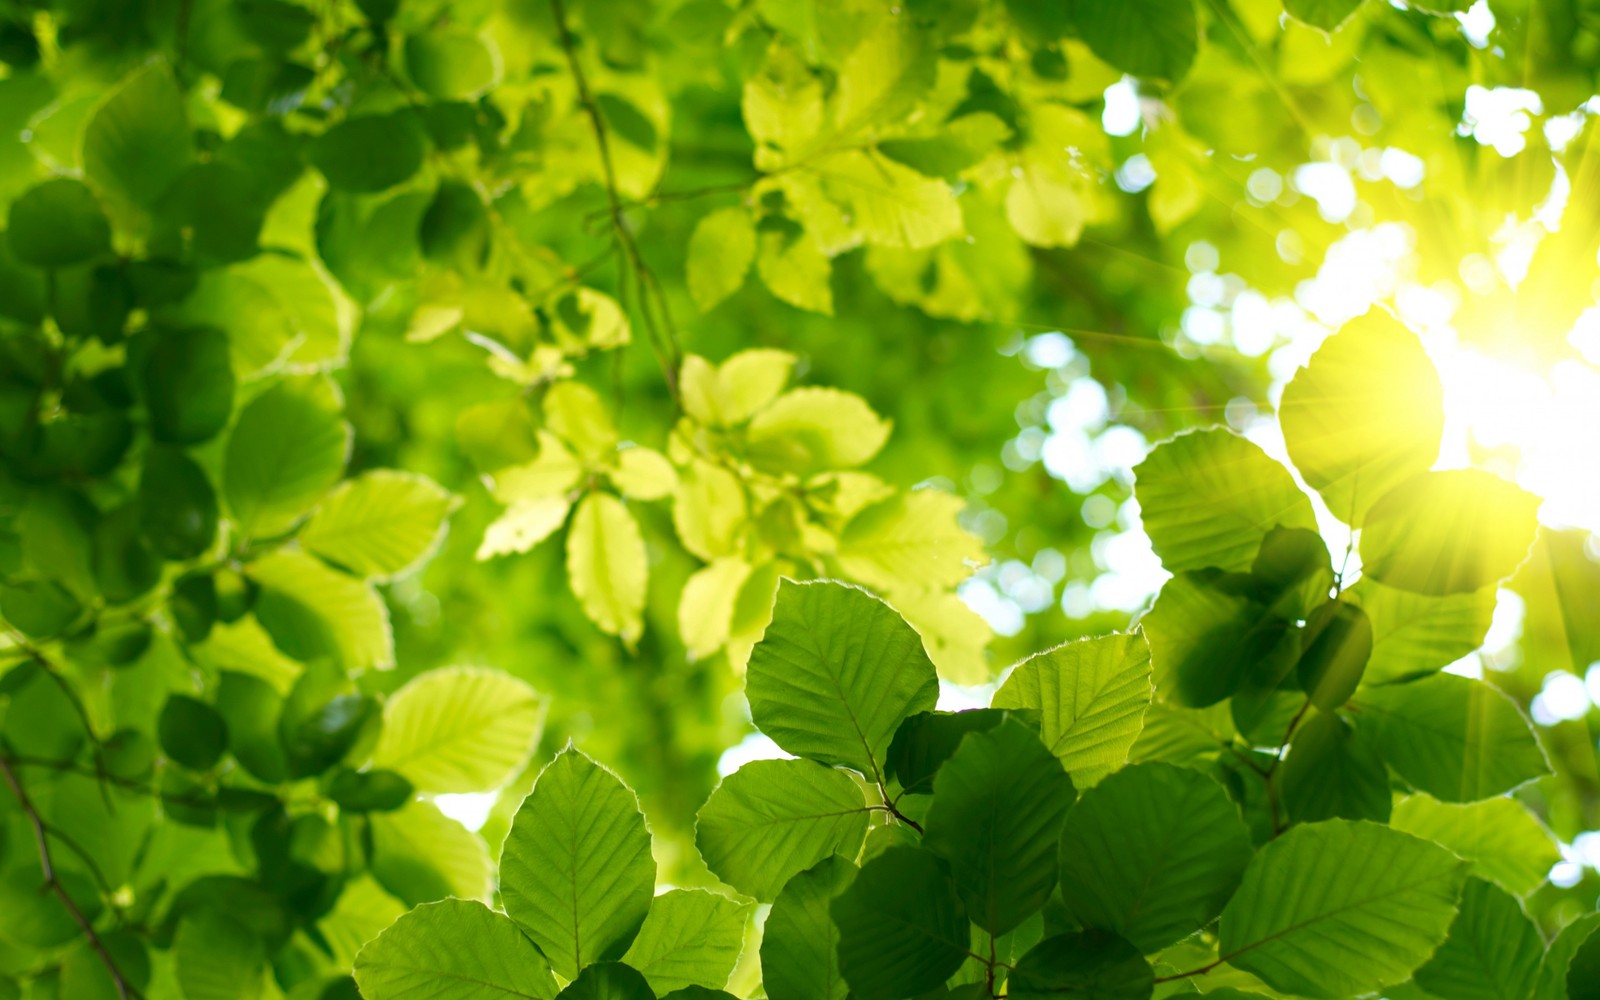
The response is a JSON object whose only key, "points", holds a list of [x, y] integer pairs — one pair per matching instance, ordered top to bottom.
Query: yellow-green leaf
{"points": [[379, 524], [607, 565], [459, 729]]}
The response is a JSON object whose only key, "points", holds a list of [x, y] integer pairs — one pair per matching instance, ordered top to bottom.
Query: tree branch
{"points": [[41, 840]]}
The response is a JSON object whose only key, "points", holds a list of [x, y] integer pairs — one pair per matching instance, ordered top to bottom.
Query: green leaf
{"points": [[1329, 15], [1154, 38], [451, 65], [137, 143], [960, 143], [370, 153], [888, 203], [58, 224], [721, 251], [793, 268], [187, 379], [734, 391], [1367, 412], [816, 429], [287, 449], [1209, 498], [178, 508], [380, 524], [1448, 532], [910, 541], [607, 564], [1293, 572], [312, 611], [1414, 634], [1207, 641], [1330, 668], [836, 674], [1091, 696], [460, 729], [192, 733], [1456, 738], [926, 740], [1332, 774], [370, 791], [996, 816], [774, 818], [1504, 841], [1152, 853], [419, 854], [576, 871], [1384, 903], [902, 927], [1580, 934], [691, 937], [799, 942], [453, 950], [1492, 953], [218, 958], [1094, 965], [1583, 971], [608, 981]]}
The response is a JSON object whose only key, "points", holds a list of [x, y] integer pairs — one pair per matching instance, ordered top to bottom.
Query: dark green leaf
{"points": [[370, 153], [58, 224], [187, 381], [177, 506], [192, 733], [902, 926], [799, 942], [1094, 965]]}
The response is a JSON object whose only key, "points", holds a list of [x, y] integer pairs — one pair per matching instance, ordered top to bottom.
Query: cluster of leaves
{"points": [[1271, 788]]}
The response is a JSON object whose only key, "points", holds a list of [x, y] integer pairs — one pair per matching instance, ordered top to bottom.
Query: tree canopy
{"points": [[799, 499]]}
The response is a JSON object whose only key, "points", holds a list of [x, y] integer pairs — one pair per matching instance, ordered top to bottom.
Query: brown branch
{"points": [[52, 881]]}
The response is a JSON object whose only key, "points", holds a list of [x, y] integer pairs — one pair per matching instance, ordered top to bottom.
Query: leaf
{"points": [[1327, 15], [1154, 38], [451, 65], [137, 143], [960, 143], [370, 153], [888, 203], [57, 224], [721, 251], [794, 269], [187, 378], [734, 391], [1367, 412], [575, 413], [815, 429], [287, 448], [643, 474], [1209, 498], [178, 508], [708, 510], [380, 524], [524, 525], [1448, 532], [910, 540], [607, 564], [705, 608], [313, 611], [1414, 634], [1207, 642], [1330, 668], [836, 674], [1091, 696], [460, 729], [192, 733], [1456, 738], [926, 740], [1331, 774], [996, 816], [774, 818], [1504, 841], [1152, 853], [419, 854], [576, 871], [1385, 901], [902, 928], [691, 937], [799, 942], [454, 949], [1492, 953], [218, 958], [1561, 960], [1094, 965], [608, 981]]}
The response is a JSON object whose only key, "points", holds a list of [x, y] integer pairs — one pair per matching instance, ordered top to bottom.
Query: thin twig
{"points": [[663, 337], [41, 840]]}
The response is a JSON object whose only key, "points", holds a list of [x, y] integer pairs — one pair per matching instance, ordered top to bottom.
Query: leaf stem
{"points": [[41, 840]]}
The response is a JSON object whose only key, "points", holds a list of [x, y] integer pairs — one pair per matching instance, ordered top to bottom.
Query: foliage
{"points": [[394, 393]]}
